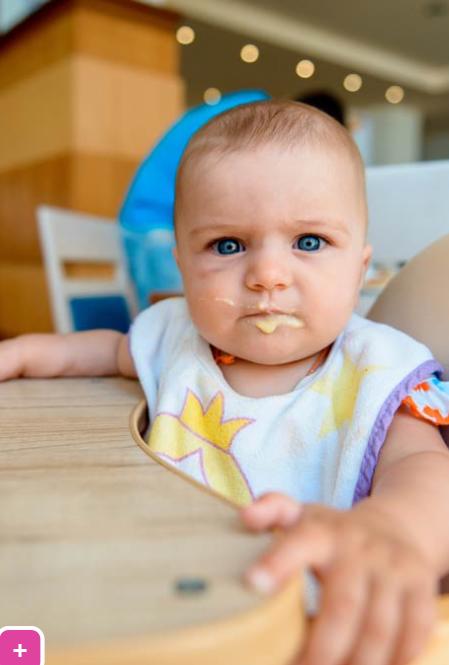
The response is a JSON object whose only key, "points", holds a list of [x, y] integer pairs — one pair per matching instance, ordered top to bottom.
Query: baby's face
{"points": [[270, 243]]}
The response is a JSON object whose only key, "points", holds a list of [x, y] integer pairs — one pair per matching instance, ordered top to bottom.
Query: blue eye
{"points": [[309, 243], [227, 246]]}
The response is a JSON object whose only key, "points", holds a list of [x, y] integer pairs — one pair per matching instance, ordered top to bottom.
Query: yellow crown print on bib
{"points": [[342, 386], [203, 432]]}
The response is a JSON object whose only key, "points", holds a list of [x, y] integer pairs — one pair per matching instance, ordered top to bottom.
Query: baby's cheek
{"points": [[344, 283], [211, 288], [331, 306], [211, 308]]}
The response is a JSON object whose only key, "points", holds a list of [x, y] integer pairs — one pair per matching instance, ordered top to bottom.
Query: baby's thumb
{"points": [[271, 511]]}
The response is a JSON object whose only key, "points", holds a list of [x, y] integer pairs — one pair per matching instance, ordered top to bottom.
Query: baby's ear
{"points": [[367, 256], [366, 260]]}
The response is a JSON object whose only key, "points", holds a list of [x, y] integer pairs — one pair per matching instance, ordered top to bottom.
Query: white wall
{"points": [[389, 134], [436, 145]]}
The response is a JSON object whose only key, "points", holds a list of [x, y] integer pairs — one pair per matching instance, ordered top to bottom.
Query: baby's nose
{"points": [[268, 273]]}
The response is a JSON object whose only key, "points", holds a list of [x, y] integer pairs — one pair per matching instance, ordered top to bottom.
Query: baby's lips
{"points": [[270, 322]]}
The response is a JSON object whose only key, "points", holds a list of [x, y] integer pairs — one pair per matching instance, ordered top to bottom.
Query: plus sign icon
{"points": [[22, 645]]}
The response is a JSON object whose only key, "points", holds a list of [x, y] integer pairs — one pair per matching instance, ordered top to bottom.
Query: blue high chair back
{"points": [[146, 217]]}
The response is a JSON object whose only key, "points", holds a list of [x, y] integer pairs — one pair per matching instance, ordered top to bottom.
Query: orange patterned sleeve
{"points": [[429, 400]]}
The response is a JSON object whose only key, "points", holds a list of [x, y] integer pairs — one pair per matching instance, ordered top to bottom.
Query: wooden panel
{"points": [[128, 32], [139, 39], [35, 44], [86, 87], [85, 104], [128, 108], [36, 116], [89, 183], [98, 183], [21, 190], [80, 270], [24, 305]]}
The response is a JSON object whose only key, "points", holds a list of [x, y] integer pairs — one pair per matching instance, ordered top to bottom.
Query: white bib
{"points": [[320, 442]]}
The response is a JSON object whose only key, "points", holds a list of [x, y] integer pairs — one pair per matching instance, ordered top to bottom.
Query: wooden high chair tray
{"points": [[96, 538], [437, 652]]}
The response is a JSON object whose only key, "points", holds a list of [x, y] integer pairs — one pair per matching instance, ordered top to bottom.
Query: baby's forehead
{"points": [[230, 153], [208, 159], [214, 171], [252, 190]]}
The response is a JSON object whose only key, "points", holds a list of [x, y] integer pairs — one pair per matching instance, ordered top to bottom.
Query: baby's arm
{"points": [[90, 353], [411, 484], [379, 563]]}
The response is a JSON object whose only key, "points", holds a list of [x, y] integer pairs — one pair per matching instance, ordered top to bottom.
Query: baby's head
{"points": [[270, 222]]}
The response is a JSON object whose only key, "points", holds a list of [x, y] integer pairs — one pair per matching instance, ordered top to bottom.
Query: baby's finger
{"points": [[10, 362], [271, 510], [310, 546], [343, 602], [419, 614], [381, 625]]}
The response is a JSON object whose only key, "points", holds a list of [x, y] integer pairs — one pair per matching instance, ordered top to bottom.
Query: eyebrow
{"points": [[313, 224], [335, 226], [216, 230]]}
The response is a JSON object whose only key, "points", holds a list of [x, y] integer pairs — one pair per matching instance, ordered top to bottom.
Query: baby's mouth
{"points": [[268, 318], [269, 322]]}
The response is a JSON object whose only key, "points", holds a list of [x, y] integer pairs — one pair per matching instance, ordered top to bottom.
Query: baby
{"points": [[264, 385]]}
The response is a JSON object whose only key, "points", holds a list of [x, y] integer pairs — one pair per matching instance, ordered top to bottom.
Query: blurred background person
{"points": [[327, 102]]}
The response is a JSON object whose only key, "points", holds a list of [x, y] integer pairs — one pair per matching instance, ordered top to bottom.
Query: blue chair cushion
{"points": [[150, 199], [149, 202], [91, 312]]}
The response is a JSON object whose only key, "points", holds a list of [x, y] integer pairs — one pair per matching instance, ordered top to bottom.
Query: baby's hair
{"points": [[281, 122]]}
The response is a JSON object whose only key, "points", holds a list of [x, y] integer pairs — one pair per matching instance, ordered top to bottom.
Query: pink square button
{"points": [[22, 645]]}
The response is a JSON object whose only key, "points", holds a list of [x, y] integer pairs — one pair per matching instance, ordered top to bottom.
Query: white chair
{"points": [[408, 206], [102, 296]]}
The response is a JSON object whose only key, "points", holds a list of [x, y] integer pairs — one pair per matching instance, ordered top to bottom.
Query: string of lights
{"points": [[249, 53]]}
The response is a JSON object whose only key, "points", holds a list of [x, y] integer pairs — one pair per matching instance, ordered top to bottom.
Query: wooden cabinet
{"points": [[86, 87]]}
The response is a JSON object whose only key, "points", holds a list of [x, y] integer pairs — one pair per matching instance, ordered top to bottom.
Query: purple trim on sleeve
{"points": [[383, 422]]}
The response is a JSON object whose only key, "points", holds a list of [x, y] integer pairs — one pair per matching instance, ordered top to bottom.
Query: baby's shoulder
{"points": [[163, 313], [160, 325], [156, 334], [365, 337]]}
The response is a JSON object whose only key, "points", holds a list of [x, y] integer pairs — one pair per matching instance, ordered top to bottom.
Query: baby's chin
{"points": [[273, 346], [270, 352], [271, 360]]}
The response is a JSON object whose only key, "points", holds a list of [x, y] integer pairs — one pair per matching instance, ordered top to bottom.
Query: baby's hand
{"points": [[11, 358], [378, 592]]}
